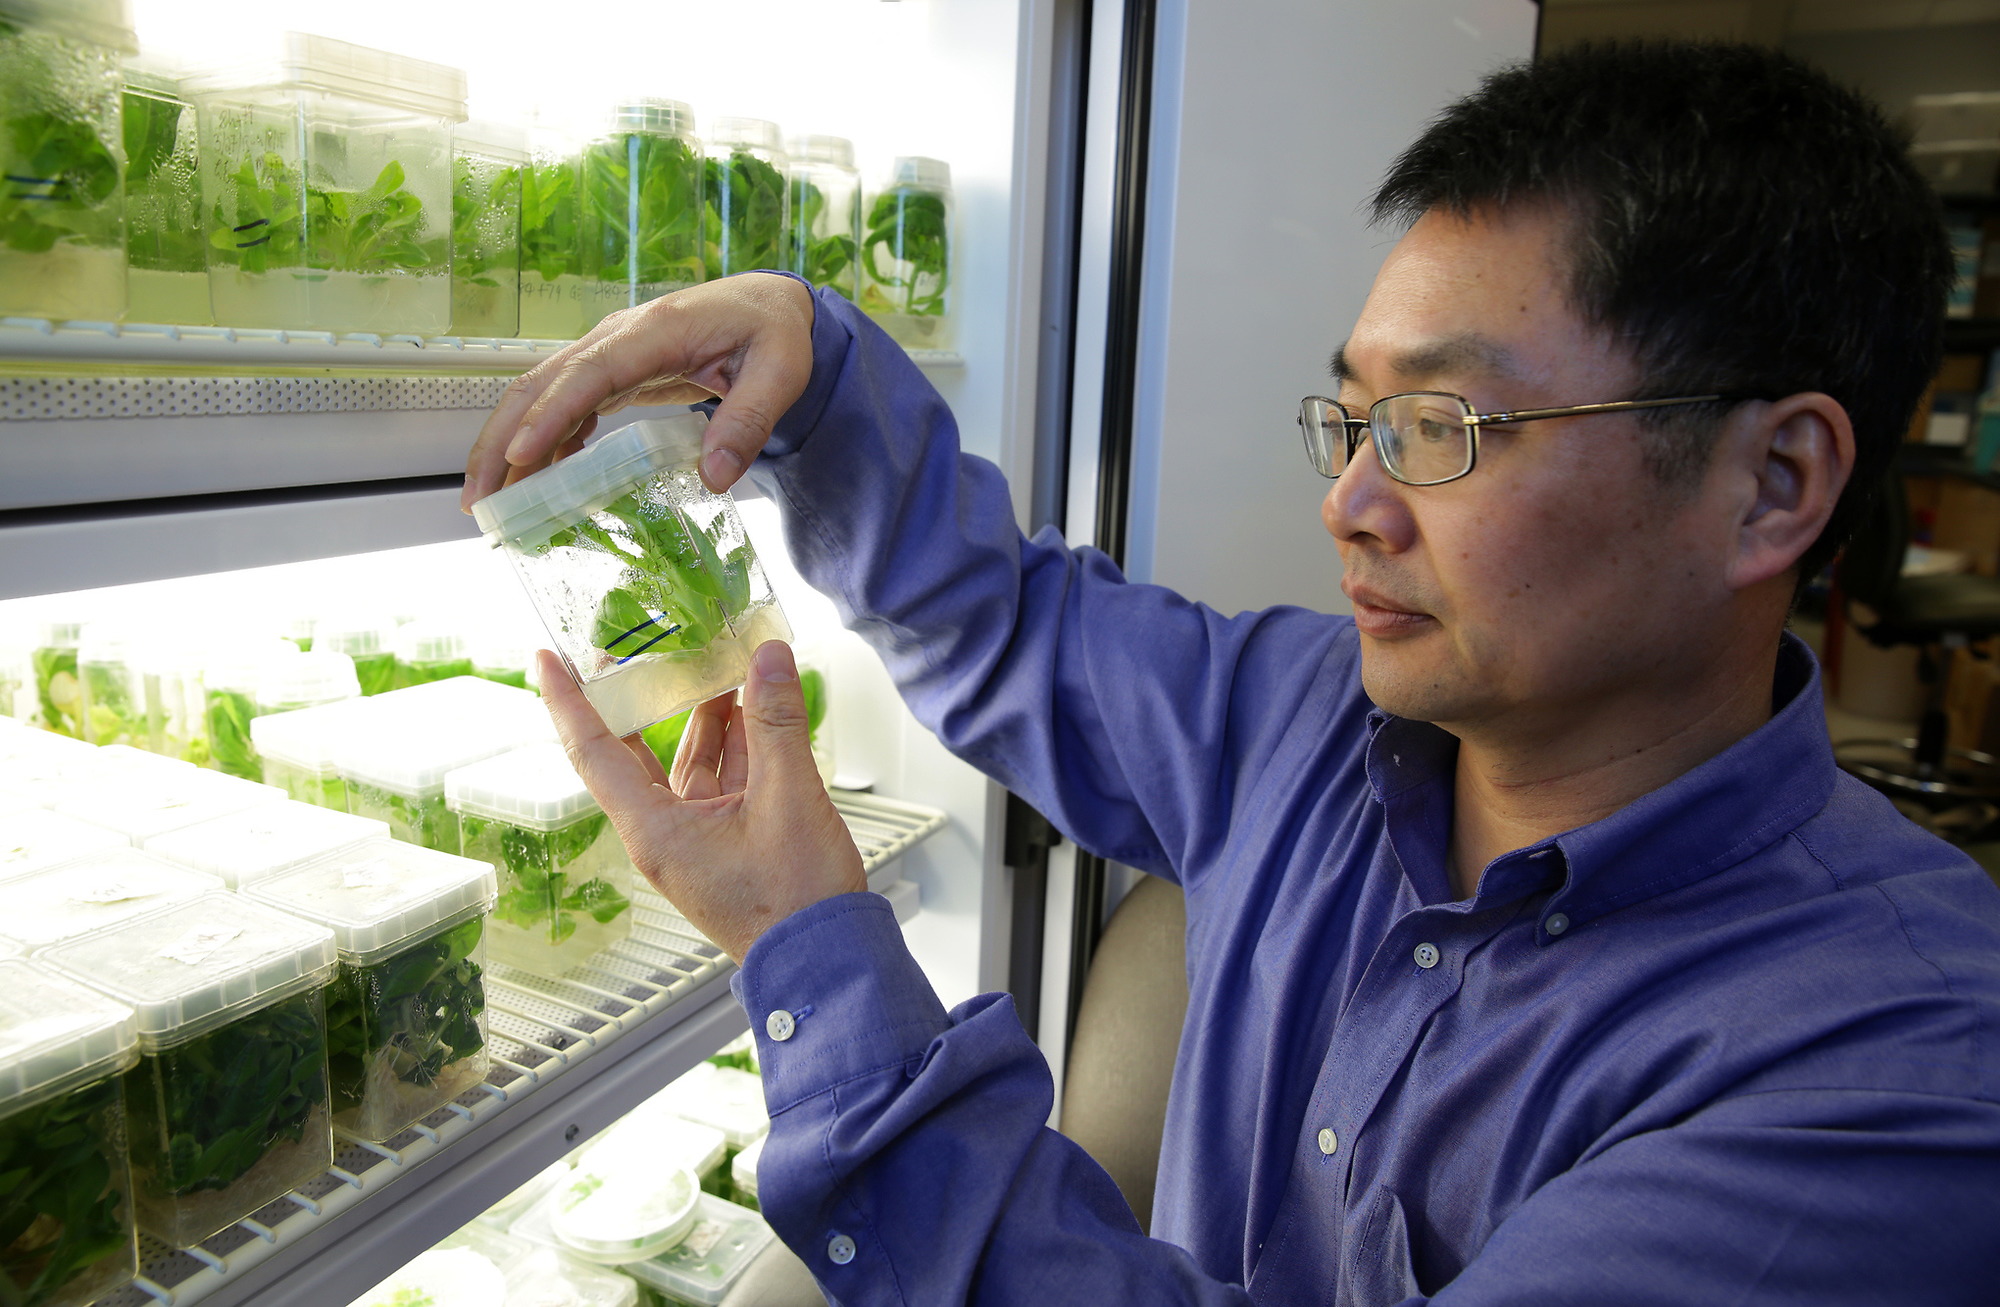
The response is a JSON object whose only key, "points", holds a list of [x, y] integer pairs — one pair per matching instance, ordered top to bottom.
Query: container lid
{"points": [[101, 22], [321, 63], [653, 116], [746, 134], [482, 136], [810, 147], [915, 170], [524, 515], [354, 633], [58, 634], [430, 640], [106, 642], [306, 680], [305, 737], [32, 743], [409, 753], [49, 776], [532, 786], [144, 804], [38, 838], [244, 847], [94, 893], [378, 895], [194, 966], [56, 1034], [730, 1100], [669, 1141], [743, 1167], [518, 1199], [616, 1209], [723, 1241], [441, 1277], [546, 1280]]}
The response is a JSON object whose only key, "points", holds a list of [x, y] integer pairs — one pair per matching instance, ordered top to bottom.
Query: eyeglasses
{"points": [[1428, 437]]}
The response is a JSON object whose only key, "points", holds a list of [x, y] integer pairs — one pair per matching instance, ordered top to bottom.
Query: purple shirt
{"points": [[1734, 1043]]}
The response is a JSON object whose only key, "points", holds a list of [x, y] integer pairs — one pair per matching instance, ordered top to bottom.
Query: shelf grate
{"points": [[538, 1027]]}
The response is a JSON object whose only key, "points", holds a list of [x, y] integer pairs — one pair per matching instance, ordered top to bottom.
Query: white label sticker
{"points": [[107, 889], [200, 944], [702, 1239]]}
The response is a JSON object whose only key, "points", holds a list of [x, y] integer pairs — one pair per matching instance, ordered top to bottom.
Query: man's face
{"points": [[1558, 579]]}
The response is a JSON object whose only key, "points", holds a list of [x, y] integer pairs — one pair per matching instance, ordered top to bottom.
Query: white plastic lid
{"points": [[101, 22], [320, 63], [654, 116], [746, 134], [492, 140], [834, 151], [925, 174], [524, 515], [354, 633], [57, 634], [430, 640], [105, 642], [305, 681], [305, 738], [31, 743], [409, 753], [49, 776], [533, 786], [144, 804], [38, 838], [244, 847], [95, 893], [377, 896], [193, 967], [56, 1035], [730, 1100], [666, 1141], [743, 1167], [621, 1209], [711, 1257], [442, 1277], [547, 1280]]}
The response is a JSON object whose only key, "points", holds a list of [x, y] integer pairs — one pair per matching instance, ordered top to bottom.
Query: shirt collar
{"points": [[1740, 801]]}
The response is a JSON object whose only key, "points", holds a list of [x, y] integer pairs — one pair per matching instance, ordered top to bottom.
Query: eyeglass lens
{"points": [[1420, 437]]}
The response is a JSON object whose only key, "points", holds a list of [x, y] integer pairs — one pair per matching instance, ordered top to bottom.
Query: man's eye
{"points": [[1437, 429]]}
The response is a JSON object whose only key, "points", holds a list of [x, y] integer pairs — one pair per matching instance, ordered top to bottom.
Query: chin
{"points": [[1418, 693]]}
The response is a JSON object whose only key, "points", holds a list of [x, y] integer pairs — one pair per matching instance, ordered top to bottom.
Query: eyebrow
{"points": [[1466, 352]]}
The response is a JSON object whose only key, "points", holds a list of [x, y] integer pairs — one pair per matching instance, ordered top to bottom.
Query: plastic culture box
{"points": [[487, 162], [327, 183], [747, 195], [641, 207], [62, 216], [825, 232], [165, 249], [906, 255], [646, 582], [367, 639], [430, 651], [502, 659], [231, 677], [170, 678], [305, 680], [58, 693], [113, 707], [297, 749], [395, 771], [149, 802], [36, 839], [246, 847], [563, 872], [88, 895], [406, 1017], [228, 1103], [743, 1172], [614, 1209], [66, 1220], [711, 1257], [442, 1277]]}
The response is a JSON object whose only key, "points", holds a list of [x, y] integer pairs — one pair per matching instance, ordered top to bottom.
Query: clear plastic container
{"points": [[487, 162], [329, 176], [747, 197], [642, 207], [62, 215], [826, 231], [552, 246], [166, 251], [906, 255], [648, 586], [298, 629], [368, 639], [430, 650], [503, 658], [170, 677], [230, 678], [305, 680], [58, 693], [297, 749], [395, 771], [152, 802], [37, 839], [246, 847], [564, 875], [94, 893], [406, 1017], [722, 1098], [228, 1104], [666, 1141], [743, 1171], [518, 1200], [614, 1209], [67, 1226], [711, 1257], [442, 1277], [548, 1280]]}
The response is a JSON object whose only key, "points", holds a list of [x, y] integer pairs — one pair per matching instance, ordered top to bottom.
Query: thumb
{"points": [[774, 722]]}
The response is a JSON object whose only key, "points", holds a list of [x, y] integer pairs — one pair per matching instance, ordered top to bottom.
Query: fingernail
{"points": [[517, 451], [720, 468], [773, 663]]}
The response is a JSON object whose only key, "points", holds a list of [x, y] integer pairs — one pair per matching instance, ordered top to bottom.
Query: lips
{"points": [[1378, 615]]}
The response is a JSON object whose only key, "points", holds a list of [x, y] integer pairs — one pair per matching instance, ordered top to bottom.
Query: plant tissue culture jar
{"points": [[486, 166], [327, 181], [748, 197], [642, 207], [62, 215], [825, 233], [165, 245], [906, 255], [552, 283], [646, 582], [367, 638], [430, 650], [231, 673], [170, 674], [58, 693], [113, 707], [297, 750], [395, 770], [563, 872], [406, 1017], [228, 1103], [66, 1236]]}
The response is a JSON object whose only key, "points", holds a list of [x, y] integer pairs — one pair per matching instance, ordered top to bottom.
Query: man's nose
{"points": [[1366, 501]]}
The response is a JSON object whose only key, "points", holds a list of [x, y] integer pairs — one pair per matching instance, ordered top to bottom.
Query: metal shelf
{"points": [[570, 1056]]}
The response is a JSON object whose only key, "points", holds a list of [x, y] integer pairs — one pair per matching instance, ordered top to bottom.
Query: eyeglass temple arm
{"points": [[1578, 410]]}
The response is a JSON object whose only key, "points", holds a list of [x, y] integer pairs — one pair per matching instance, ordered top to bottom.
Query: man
{"points": [[1537, 951]]}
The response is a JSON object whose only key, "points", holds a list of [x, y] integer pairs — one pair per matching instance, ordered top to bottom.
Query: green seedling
{"points": [[61, 181], [642, 210], [276, 221], [485, 221], [744, 226], [551, 235], [908, 252], [832, 260], [678, 591], [375, 671], [420, 671], [58, 693], [108, 714], [228, 715], [415, 821], [536, 893], [407, 1017], [62, 1185]]}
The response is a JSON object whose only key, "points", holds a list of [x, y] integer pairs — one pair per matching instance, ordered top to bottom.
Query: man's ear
{"points": [[1798, 453]]}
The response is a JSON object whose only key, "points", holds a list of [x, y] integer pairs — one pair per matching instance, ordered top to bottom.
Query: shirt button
{"points": [[1556, 924], [1427, 956], [780, 1025], [1329, 1142], [840, 1249]]}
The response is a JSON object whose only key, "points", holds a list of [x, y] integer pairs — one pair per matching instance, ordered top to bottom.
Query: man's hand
{"points": [[747, 339], [742, 835]]}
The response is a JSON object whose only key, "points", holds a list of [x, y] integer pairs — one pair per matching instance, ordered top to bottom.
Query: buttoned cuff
{"points": [[832, 993]]}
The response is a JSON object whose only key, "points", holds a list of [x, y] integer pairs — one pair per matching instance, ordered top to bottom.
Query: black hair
{"points": [[1747, 225]]}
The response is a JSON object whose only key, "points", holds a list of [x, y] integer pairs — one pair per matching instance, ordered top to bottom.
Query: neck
{"points": [[1523, 782]]}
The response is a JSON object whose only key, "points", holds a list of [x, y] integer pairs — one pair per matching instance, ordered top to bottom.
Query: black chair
{"points": [[1933, 613]]}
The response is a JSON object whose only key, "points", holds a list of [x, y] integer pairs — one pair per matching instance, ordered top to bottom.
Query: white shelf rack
{"points": [[570, 1056]]}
